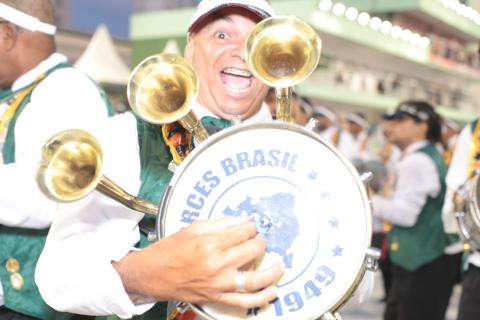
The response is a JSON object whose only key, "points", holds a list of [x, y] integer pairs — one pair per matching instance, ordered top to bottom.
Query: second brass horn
{"points": [[282, 51], [162, 89], [71, 168]]}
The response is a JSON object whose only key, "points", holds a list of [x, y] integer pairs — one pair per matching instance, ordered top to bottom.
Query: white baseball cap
{"points": [[206, 7], [25, 20], [324, 112], [359, 119]]}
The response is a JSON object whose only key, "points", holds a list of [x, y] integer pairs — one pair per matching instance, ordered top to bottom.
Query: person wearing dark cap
{"points": [[41, 94], [198, 264], [421, 284]]}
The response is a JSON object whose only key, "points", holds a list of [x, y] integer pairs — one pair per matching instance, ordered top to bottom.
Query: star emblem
{"points": [[312, 175], [325, 195], [334, 223], [337, 251]]}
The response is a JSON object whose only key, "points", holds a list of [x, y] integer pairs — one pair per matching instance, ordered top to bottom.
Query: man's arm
{"points": [[53, 107], [417, 179]]}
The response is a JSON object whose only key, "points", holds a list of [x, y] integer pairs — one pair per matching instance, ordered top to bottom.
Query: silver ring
{"points": [[240, 281]]}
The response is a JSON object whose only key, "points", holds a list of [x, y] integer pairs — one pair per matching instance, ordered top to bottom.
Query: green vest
{"points": [[154, 159], [25, 245], [413, 247]]}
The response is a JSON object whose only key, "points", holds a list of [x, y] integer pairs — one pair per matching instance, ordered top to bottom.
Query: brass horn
{"points": [[282, 51], [162, 89], [71, 167]]}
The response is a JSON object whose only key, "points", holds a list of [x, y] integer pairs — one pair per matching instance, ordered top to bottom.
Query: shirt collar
{"points": [[32, 75], [262, 115], [415, 146]]}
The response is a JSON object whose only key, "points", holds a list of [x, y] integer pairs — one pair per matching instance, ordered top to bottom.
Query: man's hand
{"points": [[200, 264]]}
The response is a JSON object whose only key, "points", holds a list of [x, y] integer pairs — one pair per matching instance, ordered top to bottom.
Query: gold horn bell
{"points": [[283, 51], [162, 89], [71, 165], [71, 168]]}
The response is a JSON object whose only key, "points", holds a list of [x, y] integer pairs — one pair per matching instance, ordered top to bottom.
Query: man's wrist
{"points": [[132, 278]]}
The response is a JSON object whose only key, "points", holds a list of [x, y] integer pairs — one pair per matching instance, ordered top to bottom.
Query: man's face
{"points": [[8, 38], [216, 51], [323, 123], [354, 128], [405, 131]]}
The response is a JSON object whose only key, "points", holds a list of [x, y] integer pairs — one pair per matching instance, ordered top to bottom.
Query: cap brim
{"points": [[200, 20], [394, 115]]}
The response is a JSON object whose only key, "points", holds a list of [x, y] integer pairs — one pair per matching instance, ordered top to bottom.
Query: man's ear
{"points": [[9, 36]]}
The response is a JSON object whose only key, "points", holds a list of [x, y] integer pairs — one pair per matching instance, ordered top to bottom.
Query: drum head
{"points": [[306, 199], [473, 208]]}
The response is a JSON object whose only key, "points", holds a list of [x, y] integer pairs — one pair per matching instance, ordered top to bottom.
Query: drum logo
{"points": [[287, 200]]}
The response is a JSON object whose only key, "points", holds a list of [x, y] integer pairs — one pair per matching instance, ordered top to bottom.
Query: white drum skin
{"points": [[306, 199]]}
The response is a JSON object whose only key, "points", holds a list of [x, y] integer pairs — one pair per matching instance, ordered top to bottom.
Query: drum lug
{"points": [[311, 124], [172, 166], [366, 177], [464, 233], [152, 236], [371, 259], [181, 307], [178, 311], [331, 316]]}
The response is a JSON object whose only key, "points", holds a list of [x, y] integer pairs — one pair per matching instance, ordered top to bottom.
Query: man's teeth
{"points": [[237, 72]]}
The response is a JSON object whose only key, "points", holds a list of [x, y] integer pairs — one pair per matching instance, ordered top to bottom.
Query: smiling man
{"points": [[199, 263]]}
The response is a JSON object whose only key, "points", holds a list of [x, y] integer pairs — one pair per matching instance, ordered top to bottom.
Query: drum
{"points": [[306, 199], [467, 212]]}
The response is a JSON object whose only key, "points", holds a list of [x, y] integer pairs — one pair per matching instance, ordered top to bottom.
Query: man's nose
{"points": [[239, 50]]}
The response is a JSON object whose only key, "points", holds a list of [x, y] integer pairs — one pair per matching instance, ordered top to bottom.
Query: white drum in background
{"points": [[306, 199], [468, 213]]}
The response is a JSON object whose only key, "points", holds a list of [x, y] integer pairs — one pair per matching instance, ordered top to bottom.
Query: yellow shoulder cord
{"points": [[14, 102], [336, 137], [474, 162]]}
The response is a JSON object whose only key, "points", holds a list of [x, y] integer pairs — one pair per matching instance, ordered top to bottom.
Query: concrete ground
{"points": [[373, 308]]}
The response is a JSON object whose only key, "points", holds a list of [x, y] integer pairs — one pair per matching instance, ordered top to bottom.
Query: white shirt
{"points": [[65, 99], [345, 144], [457, 175], [417, 179], [75, 273]]}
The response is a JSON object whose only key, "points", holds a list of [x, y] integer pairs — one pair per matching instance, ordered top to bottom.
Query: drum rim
{"points": [[472, 211], [161, 217]]}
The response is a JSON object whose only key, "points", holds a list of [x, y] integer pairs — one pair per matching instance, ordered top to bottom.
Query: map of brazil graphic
{"points": [[275, 220]]}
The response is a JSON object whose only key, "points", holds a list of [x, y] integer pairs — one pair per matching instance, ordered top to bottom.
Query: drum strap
{"points": [[474, 163]]}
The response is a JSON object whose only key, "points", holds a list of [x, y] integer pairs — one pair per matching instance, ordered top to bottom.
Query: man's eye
{"points": [[221, 35]]}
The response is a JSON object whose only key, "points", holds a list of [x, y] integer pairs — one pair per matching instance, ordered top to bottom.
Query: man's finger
{"points": [[215, 225], [236, 235], [244, 253], [258, 279], [249, 300]]}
